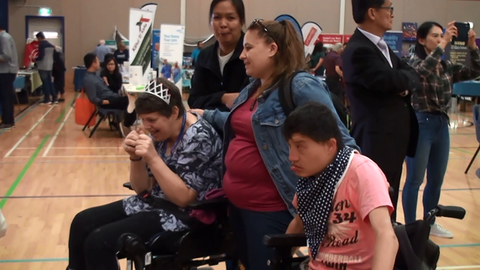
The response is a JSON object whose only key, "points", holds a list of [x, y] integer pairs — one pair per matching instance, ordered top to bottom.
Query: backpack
{"points": [[286, 99]]}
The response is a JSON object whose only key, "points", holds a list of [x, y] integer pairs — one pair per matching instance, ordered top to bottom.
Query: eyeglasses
{"points": [[390, 8], [264, 28]]}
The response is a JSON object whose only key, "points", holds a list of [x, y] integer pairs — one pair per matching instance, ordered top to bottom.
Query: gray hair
{"points": [[337, 47]]}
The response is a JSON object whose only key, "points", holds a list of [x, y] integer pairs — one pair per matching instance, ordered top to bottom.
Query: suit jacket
{"points": [[384, 123]]}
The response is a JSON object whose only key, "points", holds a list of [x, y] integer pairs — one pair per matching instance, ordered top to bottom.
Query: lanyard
{"points": [[180, 135]]}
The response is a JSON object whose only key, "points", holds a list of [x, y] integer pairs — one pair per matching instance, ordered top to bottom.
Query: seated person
{"points": [[111, 74], [100, 94], [180, 161], [342, 196]]}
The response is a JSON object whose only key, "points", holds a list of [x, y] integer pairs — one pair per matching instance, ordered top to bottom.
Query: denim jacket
{"points": [[267, 124]]}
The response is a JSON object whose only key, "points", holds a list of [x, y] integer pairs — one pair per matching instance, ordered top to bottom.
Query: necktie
{"points": [[382, 45]]}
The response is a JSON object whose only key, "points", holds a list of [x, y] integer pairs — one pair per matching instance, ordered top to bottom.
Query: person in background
{"points": [[101, 50], [196, 52], [122, 53], [317, 60], [44, 63], [166, 70], [333, 71], [176, 72], [219, 72], [8, 73], [58, 73], [111, 74], [378, 89], [99, 94], [431, 101], [258, 181], [341, 195]]}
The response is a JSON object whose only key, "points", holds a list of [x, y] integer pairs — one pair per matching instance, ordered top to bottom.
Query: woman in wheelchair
{"points": [[180, 161], [258, 181], [342, 197]]}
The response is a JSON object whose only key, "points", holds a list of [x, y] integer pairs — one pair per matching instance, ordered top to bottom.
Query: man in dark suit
{"points": [[378, 88]]}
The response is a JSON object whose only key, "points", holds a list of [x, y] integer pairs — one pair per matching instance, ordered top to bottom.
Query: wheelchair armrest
{"points": [[127, 185], [209, 204], [451, 212], [285, 240]]}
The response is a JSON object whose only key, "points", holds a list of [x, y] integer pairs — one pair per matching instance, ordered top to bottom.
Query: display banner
{"points": [[296, 25], [310, 32], [172, 37], [346, 38], [140, 39], [330, 39], [394, 41], [155, 48], [31, 53]]}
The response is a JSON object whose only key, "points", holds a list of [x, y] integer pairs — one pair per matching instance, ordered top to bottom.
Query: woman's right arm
{"points": [[428, 66], [216, 118], [139, 177]]}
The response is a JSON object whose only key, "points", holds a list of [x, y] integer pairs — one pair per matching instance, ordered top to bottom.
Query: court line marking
{"points": [[60, 117], [28, 132], [81, 147], [45, 153], [91, 156], [24, 171]]}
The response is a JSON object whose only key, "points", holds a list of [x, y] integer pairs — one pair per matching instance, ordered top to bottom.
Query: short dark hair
{"points": [[239, 7], [360, 8], [422, 33], [40, 35], [88, 59], [148, 103], [314, 120]]}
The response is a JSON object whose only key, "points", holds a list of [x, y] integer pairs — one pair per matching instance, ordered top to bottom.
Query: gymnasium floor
{"points": [[50, 170]]}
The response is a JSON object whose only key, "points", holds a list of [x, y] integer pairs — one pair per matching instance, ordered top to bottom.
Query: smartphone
{"points": [[462, 29]]}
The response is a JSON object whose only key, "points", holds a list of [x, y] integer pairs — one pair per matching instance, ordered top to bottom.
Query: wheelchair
{"points": [[201, 245], [416, 250]]}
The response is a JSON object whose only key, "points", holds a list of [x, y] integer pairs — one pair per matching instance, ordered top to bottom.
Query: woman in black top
{"points": [[219, 73], [111, 74]]}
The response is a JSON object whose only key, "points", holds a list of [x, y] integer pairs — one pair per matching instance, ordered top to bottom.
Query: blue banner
{"points": [[286, 17], [394, 40], [155, 48]]}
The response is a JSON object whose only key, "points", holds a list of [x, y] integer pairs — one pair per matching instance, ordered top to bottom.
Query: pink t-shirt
{"points": [[350, 241]]}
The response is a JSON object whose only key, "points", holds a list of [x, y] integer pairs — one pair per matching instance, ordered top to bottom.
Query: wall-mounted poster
{"points": [[409, 30]]}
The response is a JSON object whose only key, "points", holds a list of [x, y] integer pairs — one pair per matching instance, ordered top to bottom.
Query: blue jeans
{"points": [[47, 86], [432, 155], [249, 228]]}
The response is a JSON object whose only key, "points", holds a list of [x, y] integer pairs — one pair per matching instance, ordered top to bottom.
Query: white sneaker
{"points": [[437, 230]]}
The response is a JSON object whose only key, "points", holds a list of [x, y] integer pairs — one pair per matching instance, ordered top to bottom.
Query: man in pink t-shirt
{"points": [[342, 196]]}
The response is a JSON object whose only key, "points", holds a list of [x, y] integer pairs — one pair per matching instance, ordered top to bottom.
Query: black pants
{"points": [[59, 82], [7, 97], [121, 103], [94, 235]]}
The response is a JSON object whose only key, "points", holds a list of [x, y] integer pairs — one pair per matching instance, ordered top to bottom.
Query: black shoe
{"points": [[7, 126]]}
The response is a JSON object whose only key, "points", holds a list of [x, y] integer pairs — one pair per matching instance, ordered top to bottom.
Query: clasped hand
{"points": [[138, 145]]}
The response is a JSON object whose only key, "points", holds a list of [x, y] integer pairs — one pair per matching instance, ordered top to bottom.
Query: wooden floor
{"points": [[50, 170]]}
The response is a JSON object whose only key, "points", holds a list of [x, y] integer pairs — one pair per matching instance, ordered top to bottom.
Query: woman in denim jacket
{"points": [[258, 180]]}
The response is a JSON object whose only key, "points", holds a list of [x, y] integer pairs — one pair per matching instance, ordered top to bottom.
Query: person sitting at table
{"points": [[122, 54], [111, 74], [98, 92], [431, 101], [179, 162]]}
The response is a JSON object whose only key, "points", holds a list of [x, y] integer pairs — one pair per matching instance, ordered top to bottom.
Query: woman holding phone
{"points": [[431, 101]]}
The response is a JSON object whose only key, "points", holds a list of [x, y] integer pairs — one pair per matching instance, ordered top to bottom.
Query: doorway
{"points": [[53, 28]]}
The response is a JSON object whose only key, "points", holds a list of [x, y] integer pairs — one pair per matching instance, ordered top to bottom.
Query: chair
{"points": [[114, 120], [476, 120], [201, 245], [416, 250]]}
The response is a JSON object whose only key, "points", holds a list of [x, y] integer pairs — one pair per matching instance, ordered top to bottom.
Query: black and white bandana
{"points": [[315, 198]]}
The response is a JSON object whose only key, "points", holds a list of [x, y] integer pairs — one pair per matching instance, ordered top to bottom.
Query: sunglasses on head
{"points": [[265, 29]]}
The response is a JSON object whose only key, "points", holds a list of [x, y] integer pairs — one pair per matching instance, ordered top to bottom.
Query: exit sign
{"points": [[44, 11]]}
